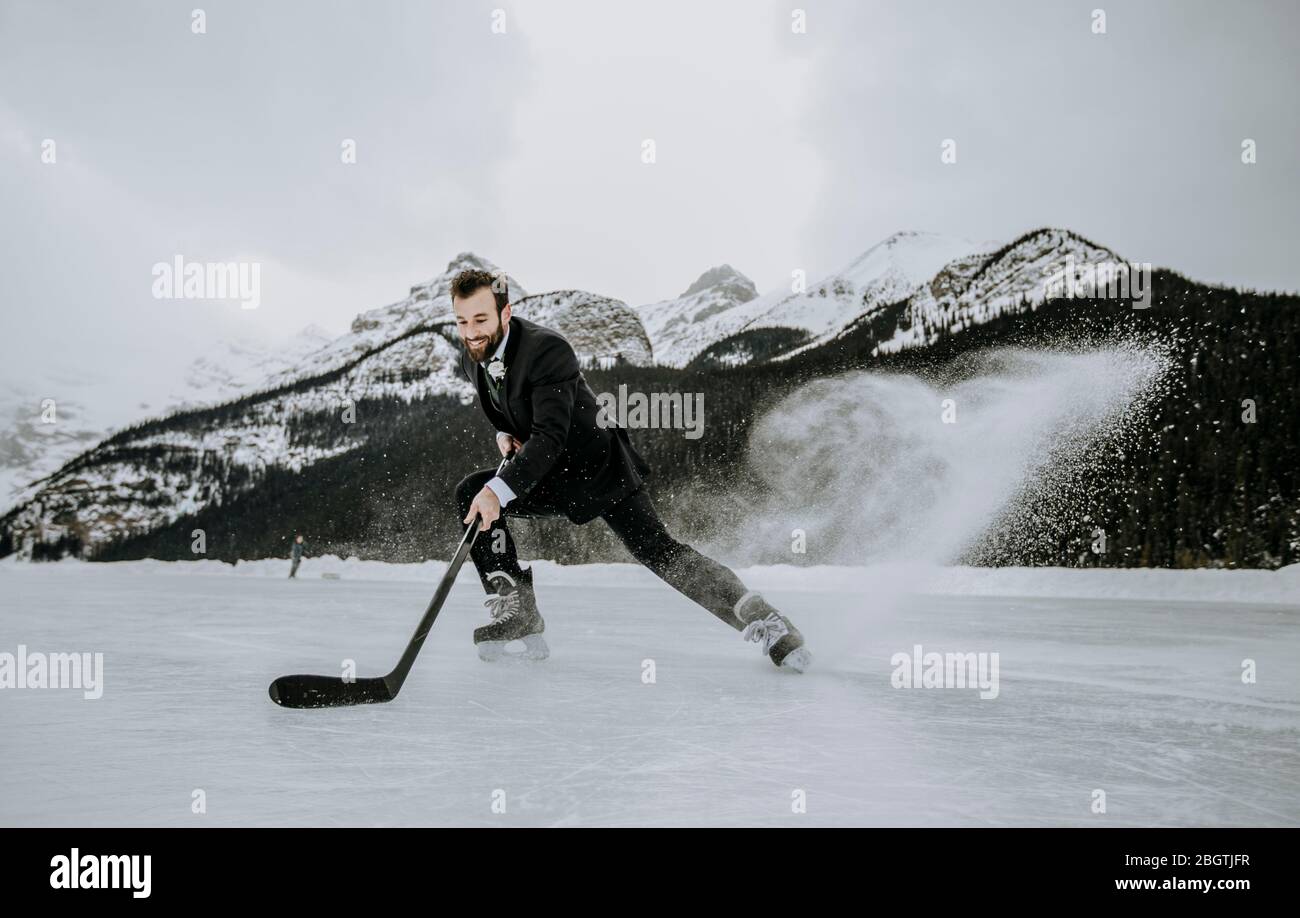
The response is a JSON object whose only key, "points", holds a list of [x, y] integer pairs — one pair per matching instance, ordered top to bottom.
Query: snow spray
{"points": [[901, 476]]}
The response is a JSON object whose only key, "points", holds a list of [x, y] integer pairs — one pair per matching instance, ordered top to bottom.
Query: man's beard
{"points": [[478, 354]]}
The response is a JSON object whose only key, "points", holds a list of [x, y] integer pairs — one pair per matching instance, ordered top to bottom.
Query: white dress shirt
{"points": [[499, 487]]}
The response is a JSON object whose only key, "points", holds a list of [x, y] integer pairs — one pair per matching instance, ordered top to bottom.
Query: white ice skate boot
{"points": [[514, 618], [779, 638]]}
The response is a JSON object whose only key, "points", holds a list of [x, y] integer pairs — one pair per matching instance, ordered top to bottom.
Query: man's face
{"points": [[481, 329]]}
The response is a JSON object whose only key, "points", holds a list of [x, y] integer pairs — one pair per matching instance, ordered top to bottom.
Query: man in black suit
{"points": [[570, 464]]}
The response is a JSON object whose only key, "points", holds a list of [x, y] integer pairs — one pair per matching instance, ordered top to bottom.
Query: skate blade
{"points": [[535, 650], [797, 660]]}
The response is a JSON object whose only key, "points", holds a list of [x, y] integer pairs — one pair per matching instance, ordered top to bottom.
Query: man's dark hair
{"points": [[473, 279]]}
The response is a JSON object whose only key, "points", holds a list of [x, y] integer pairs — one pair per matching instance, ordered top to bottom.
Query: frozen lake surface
{"points": [[1127, 682]]}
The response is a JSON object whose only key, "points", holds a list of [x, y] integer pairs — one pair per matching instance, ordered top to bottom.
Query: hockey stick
{"points": [[304, 691]]}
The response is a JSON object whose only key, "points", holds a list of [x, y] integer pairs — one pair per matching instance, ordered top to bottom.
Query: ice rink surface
{"points": [[1123, 682]]}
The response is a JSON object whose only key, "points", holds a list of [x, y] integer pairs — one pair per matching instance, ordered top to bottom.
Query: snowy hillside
{"points": [[974, 289], [89, 405], [141, 479]]}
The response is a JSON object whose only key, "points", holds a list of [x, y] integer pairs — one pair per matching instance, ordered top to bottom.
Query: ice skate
{"points": [[514, 618], [775, 633]]}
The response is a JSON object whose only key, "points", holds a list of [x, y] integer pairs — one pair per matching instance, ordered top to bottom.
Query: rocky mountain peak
{"points": [[726, 281]]}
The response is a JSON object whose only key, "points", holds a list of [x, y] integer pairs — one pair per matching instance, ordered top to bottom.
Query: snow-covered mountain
{"points": [[886, 273], [945, 282], [975, 289], [723, 302], [719, 304], [597, 327], [89, 405], [35, 440], [152, 473]]}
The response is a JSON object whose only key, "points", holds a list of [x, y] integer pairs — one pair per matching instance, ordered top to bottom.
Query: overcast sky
{"points": [[775, 150]]}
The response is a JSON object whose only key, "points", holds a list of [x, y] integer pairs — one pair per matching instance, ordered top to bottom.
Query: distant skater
{"points": [[296, 555]]}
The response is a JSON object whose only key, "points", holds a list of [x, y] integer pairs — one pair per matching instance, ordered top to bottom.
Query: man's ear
{"points": [[505, 313]]}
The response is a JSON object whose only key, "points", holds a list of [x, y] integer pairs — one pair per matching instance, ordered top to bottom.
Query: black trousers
{"points": [[636, 523]]}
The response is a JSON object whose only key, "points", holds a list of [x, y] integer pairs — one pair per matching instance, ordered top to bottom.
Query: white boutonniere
{"points": [[496, 369]]}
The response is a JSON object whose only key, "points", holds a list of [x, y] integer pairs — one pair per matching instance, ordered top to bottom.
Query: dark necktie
{"points": [[494, 389]]}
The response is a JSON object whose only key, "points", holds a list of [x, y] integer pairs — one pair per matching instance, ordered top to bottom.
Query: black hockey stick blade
{"points": [[305, 691], [327, 691]]}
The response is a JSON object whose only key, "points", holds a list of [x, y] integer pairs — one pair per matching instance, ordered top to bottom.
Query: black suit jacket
{"points": [[568, 462]]}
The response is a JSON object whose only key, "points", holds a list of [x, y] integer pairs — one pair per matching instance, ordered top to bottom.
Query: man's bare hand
{"points": [[506, 443], [487, 507]]}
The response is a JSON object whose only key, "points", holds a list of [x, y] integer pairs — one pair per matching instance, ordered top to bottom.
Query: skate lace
{"points": [[502, 606], [766, 630]]}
